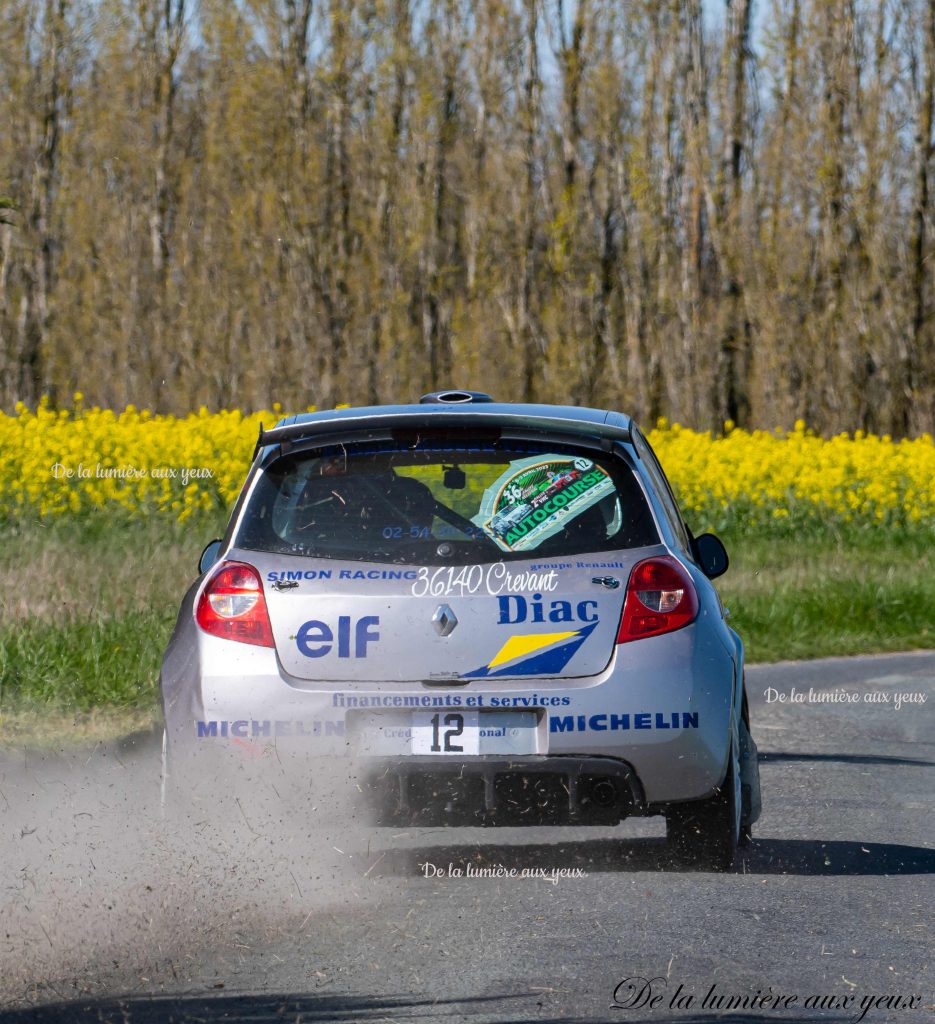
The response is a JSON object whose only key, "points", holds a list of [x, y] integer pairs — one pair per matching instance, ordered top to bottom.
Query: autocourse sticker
{"points": [[533, 499]]}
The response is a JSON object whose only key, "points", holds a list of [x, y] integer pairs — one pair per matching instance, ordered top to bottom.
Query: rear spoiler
{"points": [[378, 425]]}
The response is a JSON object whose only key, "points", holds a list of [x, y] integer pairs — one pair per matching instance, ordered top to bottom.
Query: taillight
{"points": [[660, 598], [232, 606]]}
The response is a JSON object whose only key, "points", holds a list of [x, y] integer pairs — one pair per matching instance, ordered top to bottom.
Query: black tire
{"points": [[750, 785], [750, 802], [706, 833]]}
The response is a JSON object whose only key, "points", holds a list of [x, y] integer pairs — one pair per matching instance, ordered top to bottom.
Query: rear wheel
{"points": [[749, 777], [706, 833]]}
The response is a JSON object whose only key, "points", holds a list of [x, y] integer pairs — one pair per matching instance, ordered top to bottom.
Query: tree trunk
{"points": [[37, 309], [735, 340], [917, 373]]}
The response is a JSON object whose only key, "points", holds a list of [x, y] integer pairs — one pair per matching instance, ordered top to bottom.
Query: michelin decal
{"points": [[624, 722], [266, 728]]}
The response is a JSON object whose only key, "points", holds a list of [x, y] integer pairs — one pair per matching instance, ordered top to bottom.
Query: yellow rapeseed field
{"points": [[69, 462], [774, 475]]}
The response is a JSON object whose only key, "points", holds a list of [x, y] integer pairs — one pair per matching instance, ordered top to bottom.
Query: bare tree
{"points": [[634, 204], [37, 309], [734, 367], [916, 378]]}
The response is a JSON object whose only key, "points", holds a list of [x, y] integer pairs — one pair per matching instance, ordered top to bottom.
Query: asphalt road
{"points": [[104, 917]]}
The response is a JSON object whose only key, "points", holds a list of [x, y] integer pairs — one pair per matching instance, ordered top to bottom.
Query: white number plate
{"points": [[445, 732], [397, 733]]}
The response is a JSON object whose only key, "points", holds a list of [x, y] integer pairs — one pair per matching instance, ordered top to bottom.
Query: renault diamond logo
{"points": [[444, 620]]}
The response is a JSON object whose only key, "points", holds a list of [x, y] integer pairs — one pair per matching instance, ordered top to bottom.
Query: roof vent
{"points": [[454, 398]]}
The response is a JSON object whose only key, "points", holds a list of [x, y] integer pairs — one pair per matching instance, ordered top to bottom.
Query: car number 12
{"points": [[445, 732]]}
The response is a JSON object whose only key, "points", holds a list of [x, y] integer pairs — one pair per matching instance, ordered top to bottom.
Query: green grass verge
{"points": [[830, 593], [87, 606], [82, 665]]}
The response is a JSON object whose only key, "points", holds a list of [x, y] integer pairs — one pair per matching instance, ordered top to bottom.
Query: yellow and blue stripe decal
{"points": [[534, 654]]}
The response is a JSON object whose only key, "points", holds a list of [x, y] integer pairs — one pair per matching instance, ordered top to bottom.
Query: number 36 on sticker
{"points": [[445, 732]]}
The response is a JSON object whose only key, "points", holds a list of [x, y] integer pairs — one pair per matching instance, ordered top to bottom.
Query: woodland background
{"points": [[706, 211]]}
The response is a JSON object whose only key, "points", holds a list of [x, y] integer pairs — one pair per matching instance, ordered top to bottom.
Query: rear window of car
{"points": [[446, 503]]}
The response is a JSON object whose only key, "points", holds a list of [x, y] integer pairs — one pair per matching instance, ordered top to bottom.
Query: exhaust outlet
{"points": [[603, 793]]}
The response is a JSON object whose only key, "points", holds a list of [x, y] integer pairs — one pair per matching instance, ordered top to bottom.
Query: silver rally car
{"points": [[495, 610]]}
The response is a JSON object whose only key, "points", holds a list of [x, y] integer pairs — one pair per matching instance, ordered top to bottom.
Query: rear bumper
{"points": [[492, 790]]}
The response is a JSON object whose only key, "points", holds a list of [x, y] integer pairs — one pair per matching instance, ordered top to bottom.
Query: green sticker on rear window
{"points": [[539, 496]]}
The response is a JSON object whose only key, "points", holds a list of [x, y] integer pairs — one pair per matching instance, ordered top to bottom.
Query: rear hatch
{"points": [[457, 560], [366, 621]]}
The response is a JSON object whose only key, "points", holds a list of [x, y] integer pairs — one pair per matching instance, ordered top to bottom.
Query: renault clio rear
{"points": [[494, 610]]}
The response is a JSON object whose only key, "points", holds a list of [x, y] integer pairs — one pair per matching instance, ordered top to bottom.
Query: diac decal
{"points": [[516, 609], [534, 654]]}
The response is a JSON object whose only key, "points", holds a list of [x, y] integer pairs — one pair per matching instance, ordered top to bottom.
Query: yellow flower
{"points": [[751, 477]]}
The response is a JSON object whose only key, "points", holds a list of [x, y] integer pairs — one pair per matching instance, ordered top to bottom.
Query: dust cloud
{"points": [[105, 890]]}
